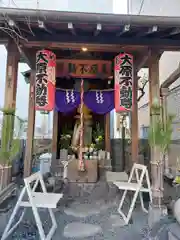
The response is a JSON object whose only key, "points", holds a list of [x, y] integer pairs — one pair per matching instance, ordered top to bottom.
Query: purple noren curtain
{"points": [[66, 100], [100, 102]]}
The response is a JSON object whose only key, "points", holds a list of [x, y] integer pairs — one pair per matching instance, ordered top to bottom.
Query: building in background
{"points": [[168, 63]]}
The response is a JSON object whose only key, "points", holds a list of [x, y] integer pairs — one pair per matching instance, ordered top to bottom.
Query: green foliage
{"points": [[98, 132], [160, 133], [98, 136], [65, 139], [10, 146]]}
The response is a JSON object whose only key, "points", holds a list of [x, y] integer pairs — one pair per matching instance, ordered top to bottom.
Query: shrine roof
{"points": [[64, 28]]}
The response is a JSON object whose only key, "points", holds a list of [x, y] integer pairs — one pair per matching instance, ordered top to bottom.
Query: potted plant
{"points": [[159, 138], [10, 145]]}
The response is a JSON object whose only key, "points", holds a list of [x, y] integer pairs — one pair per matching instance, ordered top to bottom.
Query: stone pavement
{"points": [[89, 213], [82, 221]]}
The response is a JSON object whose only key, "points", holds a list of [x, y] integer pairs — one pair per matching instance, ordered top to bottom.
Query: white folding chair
{"points": [[136, 187], [35, 200]]}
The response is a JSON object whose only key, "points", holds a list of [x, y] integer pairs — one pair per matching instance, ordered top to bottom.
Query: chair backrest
{"points": [[139, 170], [34, 178]]}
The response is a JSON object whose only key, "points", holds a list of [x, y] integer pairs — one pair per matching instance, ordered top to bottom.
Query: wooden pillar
{"points": [[11, 75], [11, 82], [164, 95], [154, 96], [134, 122], [31, 124], [107, 133], [54, 139]]}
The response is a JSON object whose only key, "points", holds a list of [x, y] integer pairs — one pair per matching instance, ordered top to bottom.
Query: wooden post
{"points": [[11, 75], [11, 82], [164, 94], [154, 95], [134, 122], [31, 123], [107, 133], [54, 140]]}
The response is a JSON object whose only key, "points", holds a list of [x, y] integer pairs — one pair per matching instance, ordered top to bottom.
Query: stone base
{"points": [[90, 175], [94, 191], [155, 214]]}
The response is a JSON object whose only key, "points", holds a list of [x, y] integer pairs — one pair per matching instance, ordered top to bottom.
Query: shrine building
{"points": [[83, 66]]}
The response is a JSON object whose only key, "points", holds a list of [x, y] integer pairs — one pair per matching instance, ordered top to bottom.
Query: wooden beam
{"points": [[71, 28], [98, 29], [125, 29], [151, 31], [175, 31], [106, 39], [113, 48], [28, 56], [142, 60], [11, 75], [172, 78], [10, 86], [154, 95], [134, 122], [30, 128], [107, 133], [54, 140]]}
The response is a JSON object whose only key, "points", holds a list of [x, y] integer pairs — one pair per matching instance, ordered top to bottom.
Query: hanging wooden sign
{"points": [[83, 68], [123, 70], [45, 80]]}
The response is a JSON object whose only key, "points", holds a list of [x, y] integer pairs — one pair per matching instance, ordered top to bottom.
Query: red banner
{"points": [[123, 75], [45, 80]]}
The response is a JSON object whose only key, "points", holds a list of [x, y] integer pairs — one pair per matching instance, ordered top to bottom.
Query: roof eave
{"points": [[49, 15]]}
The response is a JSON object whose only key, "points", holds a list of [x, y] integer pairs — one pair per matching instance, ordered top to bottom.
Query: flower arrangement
{"points": [[99, 137], [65, 138], [65, 141], [92, 147]]}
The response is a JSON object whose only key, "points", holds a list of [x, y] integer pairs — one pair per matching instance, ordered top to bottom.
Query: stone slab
{"points": [[116, 176], [86, 210], [116, 221], [81, 230], [174, 230], [171, 236]]}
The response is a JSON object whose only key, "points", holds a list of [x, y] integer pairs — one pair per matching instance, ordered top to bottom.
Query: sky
{"points": [[119, 6]]}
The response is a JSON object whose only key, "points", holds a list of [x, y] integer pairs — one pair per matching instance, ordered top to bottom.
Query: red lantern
{"points": [[123, 75], [45, 80]]}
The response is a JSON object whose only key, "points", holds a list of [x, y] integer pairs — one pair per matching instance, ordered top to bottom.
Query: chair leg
{"points": [[149, 186], [122, 200], [142, 202], [132, 206], [38, 223], [54, 225], [40, 227], [8, 230]]}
